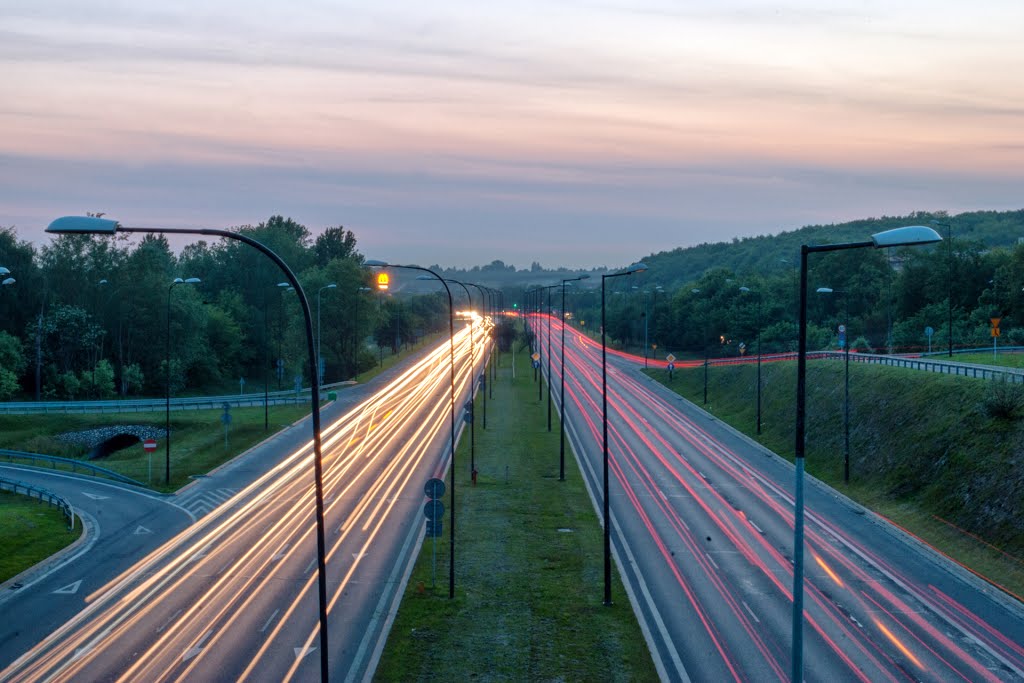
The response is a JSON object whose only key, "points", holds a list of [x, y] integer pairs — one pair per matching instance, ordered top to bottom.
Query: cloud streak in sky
{"points": [[461, 132]]}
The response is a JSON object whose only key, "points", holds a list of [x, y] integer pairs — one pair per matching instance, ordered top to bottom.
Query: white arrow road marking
{"points": [[94, 496], [141, 530], [280, 553], [358, 556], [69, 589], [197, 648], [81, 652], [301, 652]]}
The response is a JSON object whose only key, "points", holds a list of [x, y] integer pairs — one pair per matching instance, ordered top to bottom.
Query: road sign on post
{"points": [[149, 445], [434, 512]]}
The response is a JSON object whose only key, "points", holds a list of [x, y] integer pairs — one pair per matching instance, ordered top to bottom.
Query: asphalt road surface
{"points": [[702, 529], [233, 596]]}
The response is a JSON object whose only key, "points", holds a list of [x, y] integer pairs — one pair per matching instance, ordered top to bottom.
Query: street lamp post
{"points": [[93, 225], [898, 237], [635, 268], [949, 279], [748, 290], [697, 291], [451, 348], [355, 350], [320, 358], [483, 375], [472, 379], [561, 399], [846, 399], [167, 421]]}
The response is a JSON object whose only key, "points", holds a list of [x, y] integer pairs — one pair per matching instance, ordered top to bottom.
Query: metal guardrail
{"points": [[962, 369], [143, 405], [56, 462], [43, 495]]}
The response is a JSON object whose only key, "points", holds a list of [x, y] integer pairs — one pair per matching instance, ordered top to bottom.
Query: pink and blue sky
{"points": [[570, 133]]}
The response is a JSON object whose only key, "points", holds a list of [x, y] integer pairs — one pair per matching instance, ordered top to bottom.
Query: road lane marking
{"points": [[94, 496], [141, 530], [711, 560], [69, 589], [752, 615], [168, 622], [267, 625], [197, 648]]}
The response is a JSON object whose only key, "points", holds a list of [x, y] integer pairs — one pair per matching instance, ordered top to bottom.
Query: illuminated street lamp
{"points": [[96, 225], [898, 237], [635, 268], [451, 346], [561, 399], [167, 422]]}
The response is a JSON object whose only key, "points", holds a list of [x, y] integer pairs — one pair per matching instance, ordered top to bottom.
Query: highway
{"points": [[703, 536], [233, 597]]}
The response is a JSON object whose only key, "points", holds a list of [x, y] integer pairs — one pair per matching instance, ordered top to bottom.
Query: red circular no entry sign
{"points": [[149, 445]]}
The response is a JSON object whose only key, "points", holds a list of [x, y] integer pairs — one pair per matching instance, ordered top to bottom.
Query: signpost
{"points": [[928, 332], [995, 336], [671, 365], [241, 386], [226, 420], [150, 445], [434, 512]]}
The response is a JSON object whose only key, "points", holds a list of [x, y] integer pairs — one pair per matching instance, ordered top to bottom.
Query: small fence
{"points": [[144, 405], [54, 462], [43, 495]]}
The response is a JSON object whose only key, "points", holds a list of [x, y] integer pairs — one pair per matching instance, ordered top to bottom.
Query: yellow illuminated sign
{"points": [[383, 280]]}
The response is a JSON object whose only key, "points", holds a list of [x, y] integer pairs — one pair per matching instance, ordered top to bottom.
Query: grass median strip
{"points": [[30, 531], [529, 582]]}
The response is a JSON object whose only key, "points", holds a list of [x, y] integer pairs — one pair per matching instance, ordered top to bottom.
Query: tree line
{"points": [[87, 316]]}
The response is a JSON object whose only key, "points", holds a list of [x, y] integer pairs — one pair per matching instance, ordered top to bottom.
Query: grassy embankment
{"points": [[925, 449], [30, 532], [528, 601]]}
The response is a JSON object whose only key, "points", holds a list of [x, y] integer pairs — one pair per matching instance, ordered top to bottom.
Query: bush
{"points": [[1003, 399]]}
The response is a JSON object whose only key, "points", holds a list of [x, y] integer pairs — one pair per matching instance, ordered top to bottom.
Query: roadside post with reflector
{"points": [[150, 445], [434, 512]]}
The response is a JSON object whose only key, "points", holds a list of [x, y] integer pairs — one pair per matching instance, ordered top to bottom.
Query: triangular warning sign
{"points": [[141, 530], [69, 589]]}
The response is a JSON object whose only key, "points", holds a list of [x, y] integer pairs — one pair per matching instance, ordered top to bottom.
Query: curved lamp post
{"points": [[95, 225], [898, 237], [373, 263], [635, 268], [747, 290], [472, 377], [561, 398], [167, 420]]}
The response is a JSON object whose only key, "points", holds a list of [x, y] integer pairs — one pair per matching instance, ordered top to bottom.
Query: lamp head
{"points": [[82, 225], [905, 237], [375, 263], [4, 271], [8, 281], [177, 281], [193, 281], [331, 286], [746, 289], [824, 290]]}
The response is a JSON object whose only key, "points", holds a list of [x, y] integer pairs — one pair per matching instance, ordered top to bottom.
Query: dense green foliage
{"points": [[691, 299], [88, 315], [30, 532]]}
